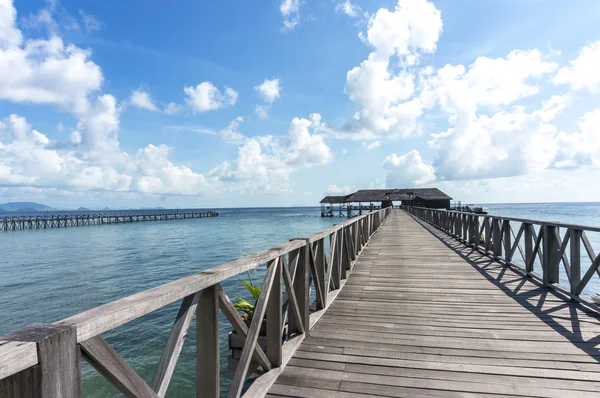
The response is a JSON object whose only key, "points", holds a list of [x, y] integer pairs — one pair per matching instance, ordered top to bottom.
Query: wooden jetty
{"points": [[14, 223], [408, 303]]}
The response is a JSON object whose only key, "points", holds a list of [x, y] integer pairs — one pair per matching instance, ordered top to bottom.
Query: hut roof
{"points": [[393, 194], [333, 199]]}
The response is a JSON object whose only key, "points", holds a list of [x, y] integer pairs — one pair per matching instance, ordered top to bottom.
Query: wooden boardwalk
{"points": [[423, 315]]}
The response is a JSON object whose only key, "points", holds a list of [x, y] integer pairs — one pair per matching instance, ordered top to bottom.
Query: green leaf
{"points": [[254, 290]]}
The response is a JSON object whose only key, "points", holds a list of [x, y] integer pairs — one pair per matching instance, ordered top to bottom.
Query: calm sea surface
{"points": [[47, 275]]}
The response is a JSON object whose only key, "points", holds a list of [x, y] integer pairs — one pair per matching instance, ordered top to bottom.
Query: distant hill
{"points": [[24, 206], [83, 209]]}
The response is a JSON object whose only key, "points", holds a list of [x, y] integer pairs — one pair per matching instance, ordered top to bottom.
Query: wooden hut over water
{"points": [[373, 199]]}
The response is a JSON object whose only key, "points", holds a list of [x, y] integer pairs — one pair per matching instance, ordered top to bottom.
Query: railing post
{"points": [[496, 238], [507, 240], [528, 247], [551, 247], [575, 249], [344, 252], [335, 255], [320, 265], [302, 288], [274, 318], [208, 367], [58, 372]]}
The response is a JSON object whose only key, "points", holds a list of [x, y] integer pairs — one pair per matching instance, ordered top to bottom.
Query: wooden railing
{"points": [[552, 243], [44, 360]]}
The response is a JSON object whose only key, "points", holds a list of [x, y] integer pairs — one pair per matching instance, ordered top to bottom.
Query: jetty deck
{"points": [[414, 302], [422, 314]]}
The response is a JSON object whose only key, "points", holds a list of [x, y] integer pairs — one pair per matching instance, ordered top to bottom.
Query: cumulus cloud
{"points": [[348, 8], [290, 10], [48, 71], [582, 72], [269, 90], [206, 97], [383, 97], [142, 100], [172, 108], [262, 111], [230, 134], [371, 145], [582, 148], [29, 158], [265, 162], [408, 169], [343, 190]]}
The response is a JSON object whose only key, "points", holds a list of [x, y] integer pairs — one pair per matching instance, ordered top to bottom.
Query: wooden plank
{"points": [[423, 314], [16, 356], [109, 364], [166, 365], [208, 367], [58, 372]]}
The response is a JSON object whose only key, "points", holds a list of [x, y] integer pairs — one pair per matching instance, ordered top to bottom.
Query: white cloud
{"points": [[348, 8], [290, 10], [90, 22], [10, 36], [44, 71], [48, 71], [582, 73], [269, 90], [206, 97], [141, 99], [384, 99], [172, 108], [262, 111], [99, 127], [230, 134], [371, 145], [580, 149], [344, 151], [29, 158], [265, 163], [408, 169], [155, 173], [344, 190]]}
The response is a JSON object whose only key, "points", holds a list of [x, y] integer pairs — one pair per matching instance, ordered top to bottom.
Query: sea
{"points": [[48, 275]]}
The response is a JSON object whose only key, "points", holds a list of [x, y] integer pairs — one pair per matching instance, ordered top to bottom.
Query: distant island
{"points": [[24, 207], [29, 207]]}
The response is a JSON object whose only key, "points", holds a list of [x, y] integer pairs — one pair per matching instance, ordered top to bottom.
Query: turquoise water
{"points": [[47, 275]]}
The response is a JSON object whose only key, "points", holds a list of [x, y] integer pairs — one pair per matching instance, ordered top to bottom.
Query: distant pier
{"points": [[16, 223]]}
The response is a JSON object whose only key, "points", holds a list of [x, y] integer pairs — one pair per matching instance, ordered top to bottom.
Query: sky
{"points": [[280, 102]]}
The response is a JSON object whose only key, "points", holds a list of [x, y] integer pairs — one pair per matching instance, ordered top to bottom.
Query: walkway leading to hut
{"points": [[422, 315]]}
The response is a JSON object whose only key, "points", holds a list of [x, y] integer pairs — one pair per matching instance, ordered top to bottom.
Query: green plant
{"points": [[242, 304]]}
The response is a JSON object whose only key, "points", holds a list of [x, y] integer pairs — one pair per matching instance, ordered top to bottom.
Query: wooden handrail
{"points": [[500, 241], [306, 263]]}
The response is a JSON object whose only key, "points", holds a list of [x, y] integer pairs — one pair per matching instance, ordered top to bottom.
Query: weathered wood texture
{"points": [[424, 315], [57, 373]]}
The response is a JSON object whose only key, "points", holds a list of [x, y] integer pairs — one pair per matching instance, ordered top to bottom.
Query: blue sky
{"points": [[276, 103]]}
